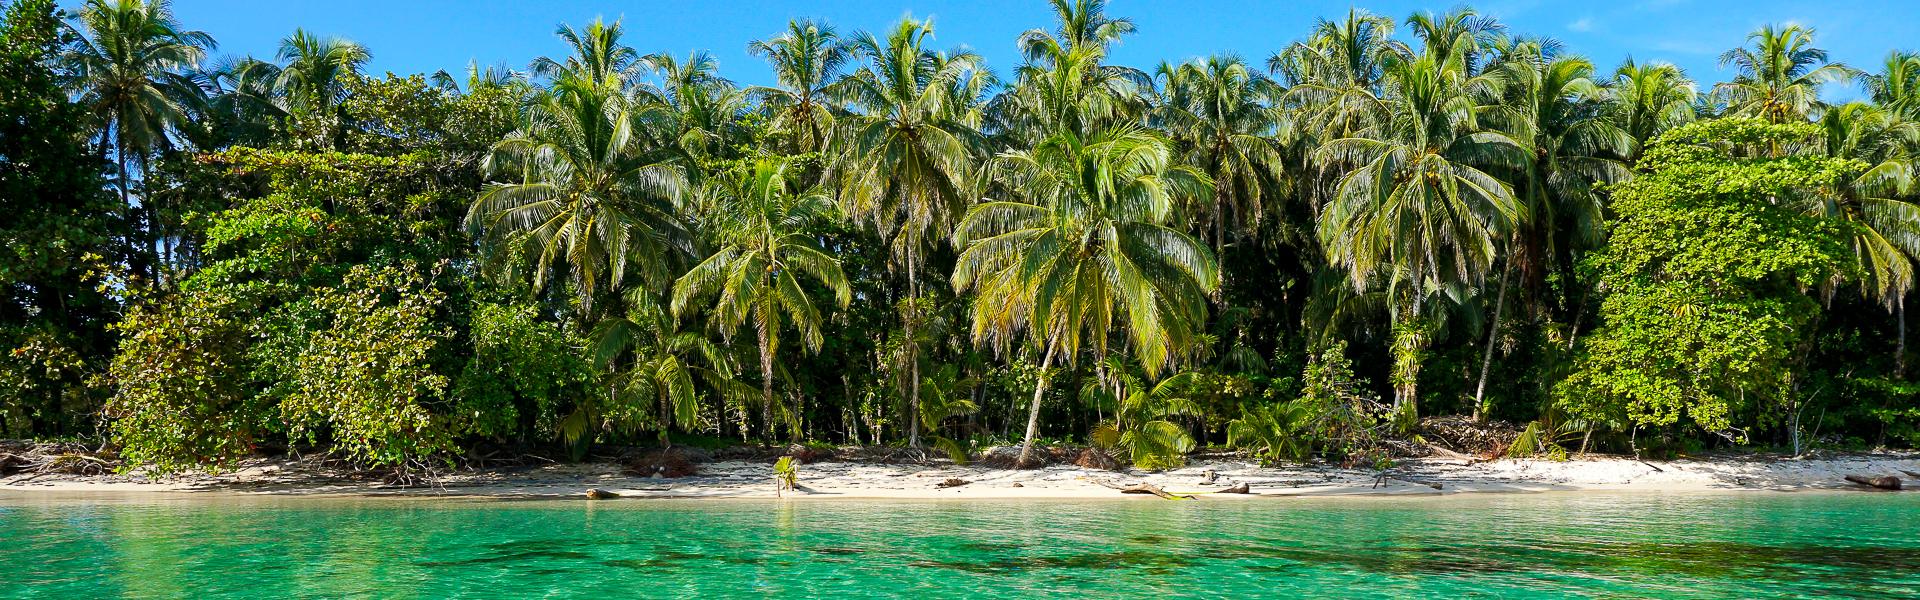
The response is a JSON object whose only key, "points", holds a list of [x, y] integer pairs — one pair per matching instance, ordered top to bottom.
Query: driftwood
{"points": [[1451, 455], [1911, 473], [1383, 478], [952, 482], [1886, 482], [1145, 488], [1238, 488], [600, 494]]}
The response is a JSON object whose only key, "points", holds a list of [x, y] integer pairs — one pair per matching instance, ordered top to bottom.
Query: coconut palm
{"points": [[1083, 24], [1462, 32], [806, 58], [599, 60], [132, 71], [1335, 75], [1779, 75], [312, 79], [1065, 83], [1896, 87], [1648, 99], [692, 109], [1216, 110], [1552, 110], [906, 162], [581, 193], [1412, 211], [1886, 223], [765, 243], [1086, 250], [657, 363]]}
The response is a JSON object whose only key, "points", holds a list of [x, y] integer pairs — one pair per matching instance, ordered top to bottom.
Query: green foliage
{"points": [[57, 237], [1704, 314], [522, 369], [367, 381], [183, 391], [1335, 414]]}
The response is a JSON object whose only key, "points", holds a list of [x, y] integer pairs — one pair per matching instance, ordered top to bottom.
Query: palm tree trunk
{"points": [[1900, 351], [913, 354], [1486, 360], [766, 381], [1033, 411]]}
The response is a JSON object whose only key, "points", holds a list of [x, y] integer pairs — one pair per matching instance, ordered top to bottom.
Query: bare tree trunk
{"points": [[1900, 351], [913, 353], [1486, 360], [766, 381], [1033, 410]]}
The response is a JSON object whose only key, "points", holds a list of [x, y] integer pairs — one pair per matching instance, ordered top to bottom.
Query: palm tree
{"points": [[1462, 32], [806, 59], [599, 60], [131, 70], [1335, 75], [1779, 75], [312, 80], [1064, 84], [1896, 87], [1648, 99], [692, 110], [1552, 111], [1217, 112], [905, 163], [582, 191], [1412, 211], [1886, 223], [765, 245], [1087, 250], [657, 362]]}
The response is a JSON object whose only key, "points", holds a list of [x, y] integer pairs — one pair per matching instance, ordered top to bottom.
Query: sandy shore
{"points": [[829, 480]]}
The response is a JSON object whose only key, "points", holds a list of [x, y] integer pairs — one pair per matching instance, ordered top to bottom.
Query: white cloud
{"points": [[1584, 24]]}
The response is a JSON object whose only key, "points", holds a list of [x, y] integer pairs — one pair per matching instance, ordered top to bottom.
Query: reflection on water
{"points": [[1705, 545]]}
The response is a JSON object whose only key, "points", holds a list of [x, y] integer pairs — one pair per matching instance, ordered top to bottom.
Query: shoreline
{"points": [[828, 480]]}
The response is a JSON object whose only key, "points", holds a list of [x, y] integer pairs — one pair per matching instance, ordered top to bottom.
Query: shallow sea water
{"points": [[1532, 545]]}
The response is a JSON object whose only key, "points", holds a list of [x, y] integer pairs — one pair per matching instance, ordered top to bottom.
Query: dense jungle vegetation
{"points": [[1299, 255]]}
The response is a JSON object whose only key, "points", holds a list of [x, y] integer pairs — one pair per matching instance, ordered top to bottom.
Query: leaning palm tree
{"points": [[806, 58], [132, 71], [1779, 75], [1648, 99], [1551, 109], [1217, 111], [906, 162], [581, 193], [1878, 202], [1412, 211], [766, 242], [1086, 251]]}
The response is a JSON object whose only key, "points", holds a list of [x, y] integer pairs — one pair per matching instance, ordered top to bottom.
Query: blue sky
{"points": [[408, 36]]}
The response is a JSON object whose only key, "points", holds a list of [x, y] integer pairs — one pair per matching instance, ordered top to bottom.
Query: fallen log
{"points": [[1451, 455], [1911, 473], [952, 482], [1885, 482], [1143, 488], [1148, 488], [1238, 488], [600, 494]]}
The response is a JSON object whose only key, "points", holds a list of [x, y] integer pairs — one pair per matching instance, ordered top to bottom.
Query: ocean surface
{"points": [[1749, 545]]}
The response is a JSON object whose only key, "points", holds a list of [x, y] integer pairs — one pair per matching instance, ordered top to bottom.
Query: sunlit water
{"points": [[1550, 545]]}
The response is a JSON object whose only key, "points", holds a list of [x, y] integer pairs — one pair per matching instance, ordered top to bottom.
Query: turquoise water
{"points": [[1549, 545]]}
